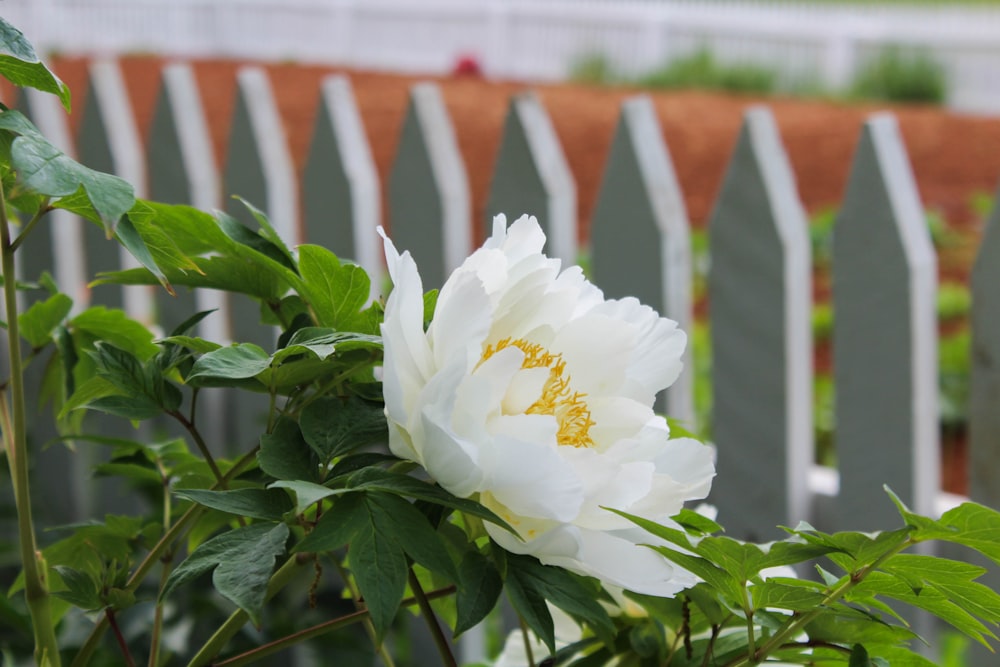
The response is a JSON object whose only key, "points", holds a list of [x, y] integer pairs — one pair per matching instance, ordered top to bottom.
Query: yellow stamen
{"points": [[557, 399]]}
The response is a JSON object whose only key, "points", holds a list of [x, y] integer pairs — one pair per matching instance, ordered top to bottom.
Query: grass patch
{"points": [[901, 75]]}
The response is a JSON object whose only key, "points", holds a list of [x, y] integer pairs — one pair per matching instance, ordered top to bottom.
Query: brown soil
{"points": [[954, 157]]}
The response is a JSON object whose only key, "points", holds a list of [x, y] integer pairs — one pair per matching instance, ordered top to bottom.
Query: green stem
{"points": [[42, 210], [202, 447], [167, 560], [35, 590], [110, 615], [238, 618], [343, 621], [367, 621], [798, 622], [751, 637], [527, 642], [443, 645], [83, 656]]}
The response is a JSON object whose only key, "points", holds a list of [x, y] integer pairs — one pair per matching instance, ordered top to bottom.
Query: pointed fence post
{"points": [[109, 141], [258, 164], [259, 169], [181, 170], [532, 176], [429, 189], [341, 197], [640, 239], [760, 304], [884, 337], [984, 404], [63, 479]]}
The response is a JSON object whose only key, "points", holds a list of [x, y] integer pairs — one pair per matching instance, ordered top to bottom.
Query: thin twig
{"points": [[443, 645]]}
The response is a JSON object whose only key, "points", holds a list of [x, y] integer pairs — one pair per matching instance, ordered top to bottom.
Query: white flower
{"points": [[533, 393]]}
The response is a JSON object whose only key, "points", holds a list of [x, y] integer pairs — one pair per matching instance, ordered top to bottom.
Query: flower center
{"points": [[557, 399]]}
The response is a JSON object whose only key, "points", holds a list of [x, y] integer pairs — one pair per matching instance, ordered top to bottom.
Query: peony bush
{"points": [[432, 452]]}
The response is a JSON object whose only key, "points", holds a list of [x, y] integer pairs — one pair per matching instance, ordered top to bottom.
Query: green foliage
{"points": [[593, 69], [702, 70], [901, 75], [320, 487]]}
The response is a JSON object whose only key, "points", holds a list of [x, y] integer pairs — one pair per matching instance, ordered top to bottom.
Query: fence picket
{"points": [[109, 141], [259, 169], [181, 170], [531, 176], [429, 189], [341, 197], [639, 234], [54, 246], [759, 302], [884, 336], [984, 415]]}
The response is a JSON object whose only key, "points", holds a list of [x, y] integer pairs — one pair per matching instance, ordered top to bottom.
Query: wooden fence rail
{"points": [[759, 286]]}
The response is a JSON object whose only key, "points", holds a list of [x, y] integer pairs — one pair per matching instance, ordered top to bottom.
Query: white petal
{"points": [[462, 318], [596, 350], [656, 356], [531, 479], [624, 563]]}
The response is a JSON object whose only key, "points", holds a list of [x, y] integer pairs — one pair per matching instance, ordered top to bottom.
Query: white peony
{"points": [[534, 394]]}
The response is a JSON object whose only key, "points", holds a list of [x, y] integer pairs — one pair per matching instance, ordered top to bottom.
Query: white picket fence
{"points": [[532, 39], [884, 271]]}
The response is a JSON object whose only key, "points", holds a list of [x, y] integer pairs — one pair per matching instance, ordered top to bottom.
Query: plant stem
{"points": [[42, 210], [202, 447], [167, 560], [35, 590], [110, 615], [238, 618], [797, 623], [369, 626], [315, 631], [527, 642], [443, 645], [82, 657]]}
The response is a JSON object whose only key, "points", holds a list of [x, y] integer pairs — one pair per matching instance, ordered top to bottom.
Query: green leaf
{"points": [[22, 67], [44, 169], [268, 232], [127, 235], [255, 242], [228, 274], [337, 291], [430, 303], [38, 322], [116, 328], [196, 345], [227, 366], [95, 388], [333, 426], [285, 455], [373, 479], [306, 493], [264, 504], [695, 523], [337, 526], [975, 526], [413, 532], [243, 560], [379, 566], [243, 577], [82, 589], [564, 590], [479, 591], [774, 594], [527, 596], [859, 657]]}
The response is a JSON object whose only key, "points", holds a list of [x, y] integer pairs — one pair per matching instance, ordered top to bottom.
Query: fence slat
{"points": [[109, 141], [258, 163], [258, 168], [181, 170], [531, 176], [429, 188], [341, 198], [640, 239], [54, 245], [759, 301], [884, 336], [984, 407]]}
